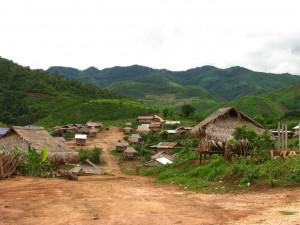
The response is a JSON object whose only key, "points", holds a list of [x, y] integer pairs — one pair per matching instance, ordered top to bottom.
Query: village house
{"points": [[150, 119], [170, 122], [94, 124], [128, 124], [220, 125], [155, 126], [143, 129], [127, 130], [179, 131], [37, 137], [80, 139], [135, 139], [121, 145], [166, 147], [130, 153], [160, 159]]}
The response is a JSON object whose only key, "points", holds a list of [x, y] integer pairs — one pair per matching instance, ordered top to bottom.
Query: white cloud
{"points": [[174, 34]]}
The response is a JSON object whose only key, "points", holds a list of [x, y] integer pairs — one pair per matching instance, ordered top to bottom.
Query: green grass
{"points": [[109, 111], [2, 124], [93, 155], [221, 175]]}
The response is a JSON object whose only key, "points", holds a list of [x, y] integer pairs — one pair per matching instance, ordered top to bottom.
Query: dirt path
{"points": [[137, 200]]}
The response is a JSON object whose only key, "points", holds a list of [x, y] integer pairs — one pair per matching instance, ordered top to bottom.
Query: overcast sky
{"points": [[263, 35]]}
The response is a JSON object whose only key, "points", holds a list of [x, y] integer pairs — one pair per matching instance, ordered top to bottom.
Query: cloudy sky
{"points": [[262, 35]]}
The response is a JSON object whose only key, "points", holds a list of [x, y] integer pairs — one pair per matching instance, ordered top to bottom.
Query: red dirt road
{"points": [[122, 199]]}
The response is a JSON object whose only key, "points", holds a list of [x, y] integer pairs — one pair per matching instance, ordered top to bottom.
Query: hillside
{"points": [[224, 84], [33, 96], [281, 104]]}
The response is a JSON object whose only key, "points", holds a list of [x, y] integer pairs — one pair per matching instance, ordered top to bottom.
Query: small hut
{"points": [[144, 119], [150, 119], [94, 124], [128, 124], [220, 125], [155, 126], [143, 129], [127, 130], [38, 138], [80, 139], [135, 139], [121, 145], [167, 147], [130, 153], [160, 159]]}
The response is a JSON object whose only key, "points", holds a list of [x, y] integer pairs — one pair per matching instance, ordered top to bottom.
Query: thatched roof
{"points": [[94, 124], [216, 126], [143, 128], [38, 138], [135, 138], [122, 143], [130, 150]]}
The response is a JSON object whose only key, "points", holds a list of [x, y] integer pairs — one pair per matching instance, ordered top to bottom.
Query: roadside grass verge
{"points": [[221, 175]]}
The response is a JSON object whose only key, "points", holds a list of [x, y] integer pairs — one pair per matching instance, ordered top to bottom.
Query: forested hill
{"points": [[225, 84], [29, 96]]}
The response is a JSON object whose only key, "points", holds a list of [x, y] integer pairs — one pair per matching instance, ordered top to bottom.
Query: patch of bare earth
{"points": [[121, 199]]}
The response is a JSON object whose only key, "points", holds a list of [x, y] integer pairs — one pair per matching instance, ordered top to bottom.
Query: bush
{"points": [[92, 155], [35, 164]]}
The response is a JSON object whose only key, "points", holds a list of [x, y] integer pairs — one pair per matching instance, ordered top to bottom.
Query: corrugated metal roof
{"points": [[3, 131], [80, 136], [165, 145], [164, 161]]}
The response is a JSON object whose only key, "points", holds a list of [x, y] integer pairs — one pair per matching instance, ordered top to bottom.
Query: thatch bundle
{"points": [[9, 161]]}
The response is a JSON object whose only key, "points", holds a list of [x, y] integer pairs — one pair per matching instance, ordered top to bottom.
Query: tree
{"points": [[187, 110], [166, 112]]}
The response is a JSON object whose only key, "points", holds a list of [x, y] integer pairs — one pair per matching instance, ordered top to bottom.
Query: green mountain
{"points": [[147, 83], [33, 96], [278, 105]]}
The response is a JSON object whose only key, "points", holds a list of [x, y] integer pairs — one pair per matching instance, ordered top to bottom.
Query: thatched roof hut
{"points": [[150, 119], [94, 124], [220, 125], [143, 128], [127, 130], [37, 138], [135, 139], [121, 145], [130, 153]]}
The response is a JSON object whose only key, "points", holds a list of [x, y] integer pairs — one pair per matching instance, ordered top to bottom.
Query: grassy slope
{"points": [[281, 104], [112, 110], [220, 175]]}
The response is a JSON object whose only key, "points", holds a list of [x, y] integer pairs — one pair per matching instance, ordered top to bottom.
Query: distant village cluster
{"points": [[213, 133]]}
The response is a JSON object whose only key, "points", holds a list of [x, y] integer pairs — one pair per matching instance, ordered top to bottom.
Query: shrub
{"points": [[92, 155], [35, 164]]}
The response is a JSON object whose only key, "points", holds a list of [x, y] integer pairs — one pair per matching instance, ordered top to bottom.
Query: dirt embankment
{"points": [[122, 199]]}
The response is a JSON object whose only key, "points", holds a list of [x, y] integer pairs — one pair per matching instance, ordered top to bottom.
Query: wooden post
{"points": [[299, 135], [278, 136], [282, 136], [286, 137]]}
